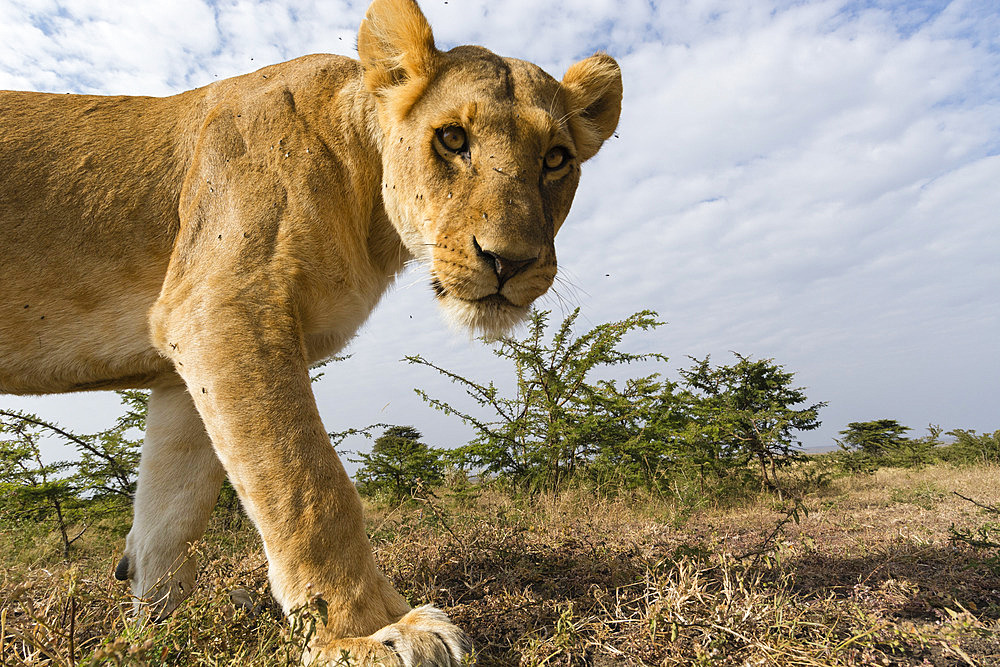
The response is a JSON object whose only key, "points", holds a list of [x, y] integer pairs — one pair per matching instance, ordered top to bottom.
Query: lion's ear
{"points": [[395, 44], [594, 93]]}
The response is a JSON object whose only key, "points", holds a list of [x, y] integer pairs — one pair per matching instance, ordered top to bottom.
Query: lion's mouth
{"points": [[494, 299], [493, 315]]}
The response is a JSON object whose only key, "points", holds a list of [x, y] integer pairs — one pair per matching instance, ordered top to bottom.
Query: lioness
{"points": [[212, 245]]}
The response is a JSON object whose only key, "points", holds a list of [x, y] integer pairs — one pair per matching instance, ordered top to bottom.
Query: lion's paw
{"points": [[424, 637]]}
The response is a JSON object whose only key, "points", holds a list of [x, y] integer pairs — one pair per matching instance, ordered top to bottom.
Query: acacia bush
{"points": [[558, 418], [565, 422], [867, 446], [971, 448], [398, 465], [71, 494]]}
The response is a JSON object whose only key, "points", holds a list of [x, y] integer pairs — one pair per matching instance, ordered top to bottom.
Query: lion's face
{"points": [[481, 158], [477, 178]]}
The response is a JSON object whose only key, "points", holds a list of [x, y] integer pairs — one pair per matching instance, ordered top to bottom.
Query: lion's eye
{"points": [[453, 138], [556, 158]]}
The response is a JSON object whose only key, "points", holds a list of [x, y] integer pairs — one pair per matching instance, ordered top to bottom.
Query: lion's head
{"points": [[481, 158]]}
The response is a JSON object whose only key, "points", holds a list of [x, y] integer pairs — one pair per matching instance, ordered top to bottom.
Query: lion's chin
{"points": [[491, 317]]}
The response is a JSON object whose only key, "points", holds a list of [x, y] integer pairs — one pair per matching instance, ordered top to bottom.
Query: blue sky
{"points": [[817, 182]]}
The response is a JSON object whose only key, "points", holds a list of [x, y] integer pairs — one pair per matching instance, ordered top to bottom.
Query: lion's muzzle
{"points": [[505, 268]]}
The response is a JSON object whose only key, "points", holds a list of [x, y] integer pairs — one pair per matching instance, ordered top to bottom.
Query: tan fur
{"points": [[213, 244]]}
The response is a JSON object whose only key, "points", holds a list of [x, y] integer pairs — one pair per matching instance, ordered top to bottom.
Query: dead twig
{"points": [[989, 508]]}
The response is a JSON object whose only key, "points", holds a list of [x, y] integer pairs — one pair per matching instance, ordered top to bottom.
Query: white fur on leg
{"points": [[179, 480]]}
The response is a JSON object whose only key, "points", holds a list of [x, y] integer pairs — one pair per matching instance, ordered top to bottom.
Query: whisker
{"points": [[552, 101], [566, 116], [400, 252], [417, 270], [417, 280], [462, 282], [571, 284], [565, 305]]}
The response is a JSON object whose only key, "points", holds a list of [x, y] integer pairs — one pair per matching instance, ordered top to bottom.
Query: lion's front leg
{"points": [[246, 371]]}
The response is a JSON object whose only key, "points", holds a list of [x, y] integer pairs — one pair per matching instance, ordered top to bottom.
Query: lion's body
{"points": [[97, 184], [213, 244]]}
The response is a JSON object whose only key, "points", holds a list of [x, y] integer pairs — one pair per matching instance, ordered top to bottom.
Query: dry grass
{"points": [[868, 577]]}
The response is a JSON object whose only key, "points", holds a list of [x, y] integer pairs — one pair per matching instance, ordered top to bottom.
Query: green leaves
{"points": [[749, 411], [558, 419], [565, 419], [876, 438], [865, 446], [970, 447], [398, 464], [33, 487]]}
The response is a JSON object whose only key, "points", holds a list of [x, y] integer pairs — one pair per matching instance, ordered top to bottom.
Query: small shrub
{"points": [[971, 448], [398, 465], [922, 494], [984, 539]]}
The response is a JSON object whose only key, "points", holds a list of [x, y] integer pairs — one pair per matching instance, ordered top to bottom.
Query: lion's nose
{"points": [[505, 267]]}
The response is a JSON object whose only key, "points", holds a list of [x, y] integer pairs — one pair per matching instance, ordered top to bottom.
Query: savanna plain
{"points": [[842, 569]]}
